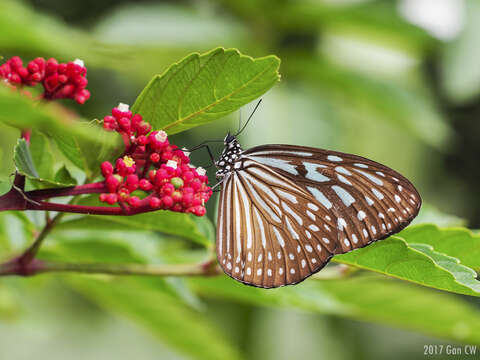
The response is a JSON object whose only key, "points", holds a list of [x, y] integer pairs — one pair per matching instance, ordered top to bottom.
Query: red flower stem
{"points": [[93, 188], [92, 210]]}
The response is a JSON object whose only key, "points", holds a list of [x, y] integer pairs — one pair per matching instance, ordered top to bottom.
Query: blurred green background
{"points": [[394, 81]]}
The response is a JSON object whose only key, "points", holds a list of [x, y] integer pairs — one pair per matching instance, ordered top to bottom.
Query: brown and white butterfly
{"points": [[285, 210]]}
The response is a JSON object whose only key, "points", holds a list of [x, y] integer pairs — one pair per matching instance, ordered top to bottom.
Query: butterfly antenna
{"points": [[239, 120], [246, 123]]}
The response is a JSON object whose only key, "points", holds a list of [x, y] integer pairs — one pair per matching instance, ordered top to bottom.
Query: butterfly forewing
{"points": [[369, 201], [286, 210]]}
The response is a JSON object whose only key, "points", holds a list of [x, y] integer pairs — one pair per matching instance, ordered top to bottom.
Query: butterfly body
{"points": [[285, 210]]}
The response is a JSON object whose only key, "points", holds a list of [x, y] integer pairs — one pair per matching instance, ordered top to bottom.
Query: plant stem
{"points": [[94, 188], [30, 253], [37, 267]]}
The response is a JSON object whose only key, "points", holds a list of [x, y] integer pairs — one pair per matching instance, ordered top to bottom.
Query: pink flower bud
{"points": [[155, 157], [106, 168], [112, 182], [132, 182], [145, 185], [168, 189], [177, 196], [111, 199], [134, 201], [167, 201], [154, 202]]}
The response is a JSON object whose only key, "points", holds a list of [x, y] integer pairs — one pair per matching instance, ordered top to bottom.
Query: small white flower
{"points": [[79, 62], [123, 107], [161, 136], [187, 153], [172, 164], [192, 166], [201, 171]]}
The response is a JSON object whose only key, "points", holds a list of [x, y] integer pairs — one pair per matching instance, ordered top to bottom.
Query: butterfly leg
{"points": [[210, 154]]}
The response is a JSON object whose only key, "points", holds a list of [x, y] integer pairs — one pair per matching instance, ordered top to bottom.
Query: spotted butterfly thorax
{"points": [[285, 210]]}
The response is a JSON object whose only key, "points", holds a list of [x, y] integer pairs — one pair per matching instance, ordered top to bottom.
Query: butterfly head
{"points": [[229, 138]]}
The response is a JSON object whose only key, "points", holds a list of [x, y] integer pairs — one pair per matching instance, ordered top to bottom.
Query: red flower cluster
{"points": [[59, 80], [153, 165]]}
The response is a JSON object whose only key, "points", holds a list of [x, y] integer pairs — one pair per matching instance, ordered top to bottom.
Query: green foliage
{"points": [[203, 88], [36, 162], [458, 242], [417, 263], [423, 280], [365, 298]]}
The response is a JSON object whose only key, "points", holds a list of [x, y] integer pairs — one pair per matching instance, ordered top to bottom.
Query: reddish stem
{"points": [[94, 188], [92, 210]]}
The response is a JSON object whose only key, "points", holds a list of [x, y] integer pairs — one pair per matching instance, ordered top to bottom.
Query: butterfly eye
{"points": [[228, 139]]}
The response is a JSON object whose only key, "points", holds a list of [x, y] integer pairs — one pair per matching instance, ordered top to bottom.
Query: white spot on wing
{"points": [[334, 158], [276, 163], [361, 165], [342, 170], [312, 172], [370, 177], [343, 179], [377, 193], [344, 195], [288, 196], [320, 197], [313, 206], [361, 215], [341, 223], [279, 237]]}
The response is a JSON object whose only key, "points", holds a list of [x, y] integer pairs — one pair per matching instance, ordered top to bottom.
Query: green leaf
{"points": [[203, 88], [24, 113], [88, 154], [41, 155], [26, 166], [63, 176], [168, 222], [458, 242], [395, 257], [463, 274], [373, 299], [145, 302], [151, 302]]}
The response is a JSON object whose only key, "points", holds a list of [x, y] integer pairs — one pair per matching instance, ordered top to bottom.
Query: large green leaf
{"points": [[203, 88], [23, 113], [88, 154], [26, 165], [168, 222], [458, 242], [415, 263], [372, 299], [144, 301], [149, 301]]}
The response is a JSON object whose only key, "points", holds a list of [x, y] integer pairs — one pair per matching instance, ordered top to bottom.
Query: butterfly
{"points": [[285, 211]]}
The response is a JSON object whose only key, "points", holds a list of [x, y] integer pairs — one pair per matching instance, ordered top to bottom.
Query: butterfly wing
{"points": [[368, 200], [263, 238]]}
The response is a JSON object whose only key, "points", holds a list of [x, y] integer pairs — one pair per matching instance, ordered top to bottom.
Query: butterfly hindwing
{"points": [[278, 234]]}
